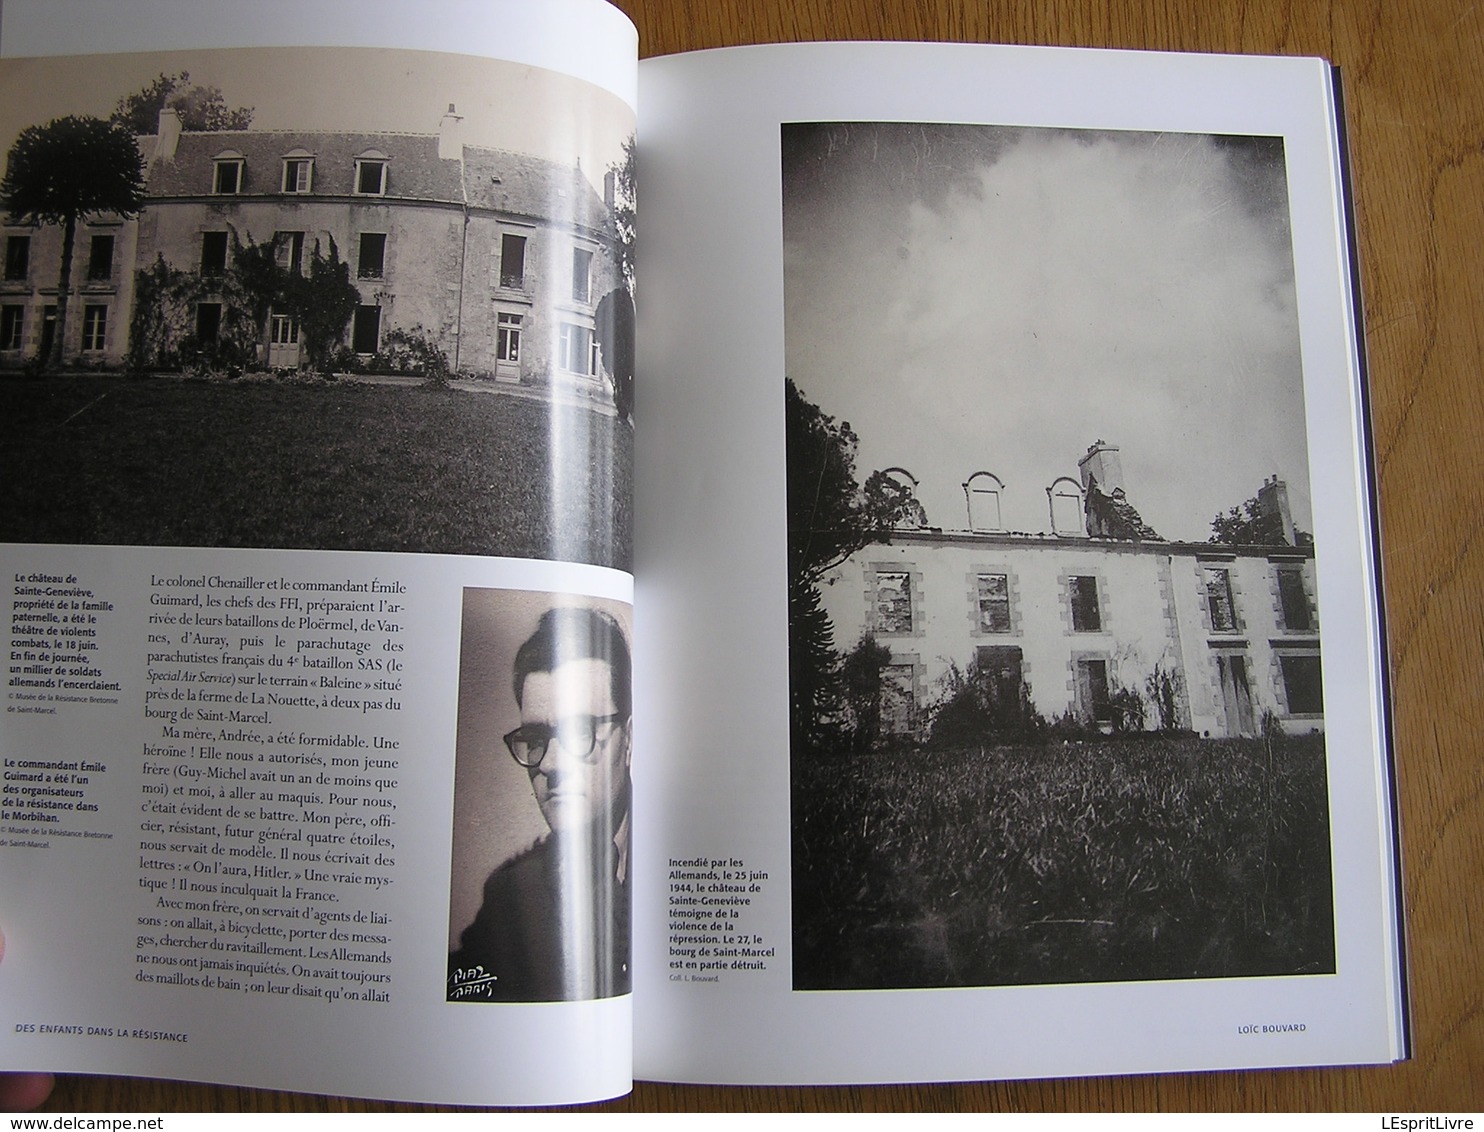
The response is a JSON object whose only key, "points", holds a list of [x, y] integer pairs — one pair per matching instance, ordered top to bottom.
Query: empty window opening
{"points": [[1294, 599], [994, 603], [1219, 603], [1086, 616]]}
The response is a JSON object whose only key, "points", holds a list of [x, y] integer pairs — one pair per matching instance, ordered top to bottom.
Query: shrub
{"points": [[412, 351], [978, 706]]}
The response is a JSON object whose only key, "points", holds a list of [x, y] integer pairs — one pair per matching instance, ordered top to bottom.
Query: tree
{"points": [[200, 107], [63, 172], [625, 216], [255, 284], [323, 301], [615, 328], [830, 517], [1251, 525]]}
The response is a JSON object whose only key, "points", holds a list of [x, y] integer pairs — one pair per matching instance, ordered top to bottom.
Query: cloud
{"points": [[1131, 287]]}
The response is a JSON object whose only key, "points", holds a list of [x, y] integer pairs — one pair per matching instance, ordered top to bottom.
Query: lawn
{"points": [[337, 466], [1113, 860]]}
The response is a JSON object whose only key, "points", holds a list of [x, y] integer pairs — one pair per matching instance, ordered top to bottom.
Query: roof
{"points": [[414, 169], [496, 179], [505, 181], [1115, 517]]}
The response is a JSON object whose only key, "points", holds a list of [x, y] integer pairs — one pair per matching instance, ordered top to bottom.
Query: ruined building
{"points": [[1098, 604]]}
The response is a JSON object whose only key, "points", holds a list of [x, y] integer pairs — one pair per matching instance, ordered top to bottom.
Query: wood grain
{"points": [[1414, 77]]}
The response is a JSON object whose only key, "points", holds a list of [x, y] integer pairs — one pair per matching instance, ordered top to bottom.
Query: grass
{"points": [[332, 466], [1107, 861]]}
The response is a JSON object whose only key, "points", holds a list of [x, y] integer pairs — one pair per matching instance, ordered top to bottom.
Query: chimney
{"points": [[167, 137], [450, 143], [610, 179], [1102, 464], [1272, 506]]}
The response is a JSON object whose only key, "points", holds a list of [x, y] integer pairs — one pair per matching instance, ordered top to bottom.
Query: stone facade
{"points": [[502, 258], [1073, 619]]}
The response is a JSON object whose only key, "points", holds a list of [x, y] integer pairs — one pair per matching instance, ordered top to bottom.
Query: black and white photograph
{"points": [[348, 300], [1054, 629], [540, 897]]}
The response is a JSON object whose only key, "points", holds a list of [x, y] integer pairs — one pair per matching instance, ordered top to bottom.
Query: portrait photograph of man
{"points": [[540, 897]]}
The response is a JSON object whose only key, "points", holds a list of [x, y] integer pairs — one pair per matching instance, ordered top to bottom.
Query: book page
{"points": [[1010, 464], [318, 545]]}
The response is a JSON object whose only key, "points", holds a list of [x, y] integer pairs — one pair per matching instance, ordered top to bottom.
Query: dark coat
{"points": [[526, 945]]}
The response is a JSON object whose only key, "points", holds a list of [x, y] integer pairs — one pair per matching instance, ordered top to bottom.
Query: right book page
{"points": [[1010, 685]]}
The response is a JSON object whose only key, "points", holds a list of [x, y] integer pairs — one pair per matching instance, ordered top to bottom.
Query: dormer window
{"points": [[298, 172], [227, 174], [371, 174], [983, 491], [1065, 498], [912, 513]]}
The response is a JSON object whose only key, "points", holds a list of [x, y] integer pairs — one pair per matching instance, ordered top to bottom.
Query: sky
{"points": [[504, 105], [984, 298]]}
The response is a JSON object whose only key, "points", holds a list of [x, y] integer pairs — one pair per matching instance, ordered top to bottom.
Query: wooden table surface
{"points": [[1414, 78]]}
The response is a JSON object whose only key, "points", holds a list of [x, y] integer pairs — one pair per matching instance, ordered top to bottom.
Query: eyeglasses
{"points": [[576, 734]]}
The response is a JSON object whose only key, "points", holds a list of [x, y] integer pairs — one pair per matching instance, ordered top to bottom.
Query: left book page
{"points": [[316, 359]]}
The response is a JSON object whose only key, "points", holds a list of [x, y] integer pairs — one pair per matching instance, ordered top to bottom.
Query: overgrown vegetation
{"points": [[166, 332], [342, 466], [830, 516], [1252, 525], [978, 706], [1110, 860]]}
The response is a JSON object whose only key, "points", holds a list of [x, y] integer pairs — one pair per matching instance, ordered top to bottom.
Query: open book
{"points": [[962, 658]]}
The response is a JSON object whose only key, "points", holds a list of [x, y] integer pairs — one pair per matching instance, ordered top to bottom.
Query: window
{"points": [[298, 174], [370, 177], [227, 180], [289, 251], [213, 253], [373, 255], [17, 257], [100, 258], [512, 261], [582, 271], [12, 320], [208, 323], [94, 327], [48, 331], [283, 331], [365, 331], [507, 347], [575, 348], [983, 491], [1066, 507], [912, 513], [1293, 599], [892, 602], [994, 603], [1219, 604], [1086, 616], [1001, 671], [1302, 686], [1236, 694], [898, 699], [1094, 705]]}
